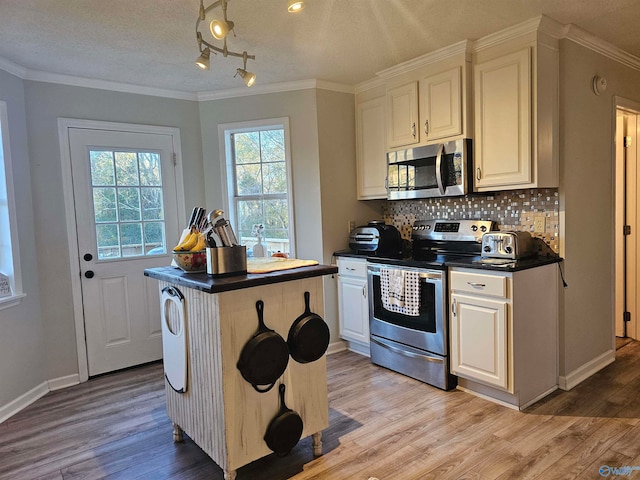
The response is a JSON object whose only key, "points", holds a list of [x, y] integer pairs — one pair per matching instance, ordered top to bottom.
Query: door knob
{"points": [[88, 257], [89, 274]]}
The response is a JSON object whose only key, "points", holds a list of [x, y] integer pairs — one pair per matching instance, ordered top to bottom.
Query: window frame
{"points": [[229, 182], [10, 244]]}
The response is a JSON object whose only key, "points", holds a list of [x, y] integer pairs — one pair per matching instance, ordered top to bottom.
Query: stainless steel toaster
{"points": [[513, 245]]}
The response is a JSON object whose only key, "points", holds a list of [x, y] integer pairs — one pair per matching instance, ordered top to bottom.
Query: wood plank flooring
{"points": [[382, 425]]}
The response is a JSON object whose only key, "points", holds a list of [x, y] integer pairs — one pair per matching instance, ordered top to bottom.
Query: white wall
{"points": [[45, 102], [323, 163], [587, 200], [22, 338]]}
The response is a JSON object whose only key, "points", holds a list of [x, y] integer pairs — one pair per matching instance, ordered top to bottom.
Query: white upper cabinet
{"points": [[502, 90], [515, 91], [441, 105], [426, 109], [402, 115], [371, 161]]}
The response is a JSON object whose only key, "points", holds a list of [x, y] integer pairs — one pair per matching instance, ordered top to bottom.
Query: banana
{"points": [[189, 242], [200, 244]]}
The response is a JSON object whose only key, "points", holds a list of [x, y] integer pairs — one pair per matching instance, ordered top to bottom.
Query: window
{"points": [[259, 185], [127, 203], [10, 280]]}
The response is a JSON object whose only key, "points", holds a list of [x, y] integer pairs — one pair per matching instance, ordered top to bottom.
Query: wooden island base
{"points": [[220, 411], [178, 437]]}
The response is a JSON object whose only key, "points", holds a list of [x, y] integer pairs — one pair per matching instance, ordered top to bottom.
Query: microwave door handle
{"points": [[439, 169]]}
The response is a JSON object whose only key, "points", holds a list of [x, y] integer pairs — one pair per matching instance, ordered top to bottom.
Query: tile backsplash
{"points": [[512, 210]]}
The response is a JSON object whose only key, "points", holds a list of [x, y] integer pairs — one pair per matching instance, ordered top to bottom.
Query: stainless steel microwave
{"points": [[439, 170]]}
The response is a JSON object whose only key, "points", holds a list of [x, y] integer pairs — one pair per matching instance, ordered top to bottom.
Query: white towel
{"points": [[400, 291]]}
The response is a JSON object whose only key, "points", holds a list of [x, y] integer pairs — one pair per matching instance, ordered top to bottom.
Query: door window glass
{"points": [[127, 203]]}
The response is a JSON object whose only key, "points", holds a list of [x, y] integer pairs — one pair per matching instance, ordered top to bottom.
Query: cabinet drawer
{"points": [[352, 267], [479, 283]]}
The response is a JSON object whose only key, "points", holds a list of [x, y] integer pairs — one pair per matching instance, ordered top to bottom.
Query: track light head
{"points": [[220, 28], [203, 59], [248, 77]]}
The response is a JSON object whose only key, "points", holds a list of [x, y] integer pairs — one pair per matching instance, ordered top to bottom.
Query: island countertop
{"points": [[209, 284]]}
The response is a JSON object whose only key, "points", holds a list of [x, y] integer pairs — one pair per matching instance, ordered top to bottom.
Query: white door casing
{"points": [[117, 309]]}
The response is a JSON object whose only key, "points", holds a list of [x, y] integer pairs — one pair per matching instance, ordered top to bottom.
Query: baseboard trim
{"points": [[336, 347], [580, 374], [63, 382], [487, 397], [23, 401]]}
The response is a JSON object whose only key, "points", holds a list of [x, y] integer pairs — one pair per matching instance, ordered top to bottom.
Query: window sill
{"points": [[12, 301]]}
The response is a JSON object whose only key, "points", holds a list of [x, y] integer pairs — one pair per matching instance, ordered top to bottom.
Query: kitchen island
{"points": [[217, 408]]}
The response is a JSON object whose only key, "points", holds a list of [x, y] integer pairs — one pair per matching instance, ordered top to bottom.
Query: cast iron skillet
{"points": [[308, 336], [264, 357], [284, 430]]}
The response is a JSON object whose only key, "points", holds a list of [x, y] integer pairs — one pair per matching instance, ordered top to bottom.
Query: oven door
{"points": [[428, 330]]}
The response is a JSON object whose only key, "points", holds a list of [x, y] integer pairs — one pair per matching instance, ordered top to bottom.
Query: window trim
{"points": [[228, 181], [15, 275]]}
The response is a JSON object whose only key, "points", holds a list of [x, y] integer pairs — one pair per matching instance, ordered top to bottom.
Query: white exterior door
{"points": [[126, 208]]}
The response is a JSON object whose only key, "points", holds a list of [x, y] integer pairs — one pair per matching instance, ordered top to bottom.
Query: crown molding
{"points": [[587, 40], [463, 47], [13, 68], [46, 77], [369, 84], [275, 88]]}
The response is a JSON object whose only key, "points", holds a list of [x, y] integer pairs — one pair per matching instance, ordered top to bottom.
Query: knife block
{"points": [[227, 260]]}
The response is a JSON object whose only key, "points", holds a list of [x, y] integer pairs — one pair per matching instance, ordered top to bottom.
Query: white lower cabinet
{"points": [[353, 302], [480, 328], [504, 333]]}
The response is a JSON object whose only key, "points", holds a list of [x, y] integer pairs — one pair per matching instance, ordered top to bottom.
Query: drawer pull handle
{"points": [[351, 269], [476, 284]]}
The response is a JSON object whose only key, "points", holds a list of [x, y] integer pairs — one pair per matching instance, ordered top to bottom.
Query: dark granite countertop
{"points": [[458, 261], [210, 284]]}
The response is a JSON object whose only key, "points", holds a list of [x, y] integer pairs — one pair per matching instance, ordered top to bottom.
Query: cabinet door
{"points": [[502, 92], [441, 105], [402, 113], [370, 149], [354, 311], [479, 346]]}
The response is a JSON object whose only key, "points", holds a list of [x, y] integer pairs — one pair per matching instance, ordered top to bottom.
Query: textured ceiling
{"points": [[153, 43]]}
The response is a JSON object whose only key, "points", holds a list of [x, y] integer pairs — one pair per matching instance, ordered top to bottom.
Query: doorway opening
{"points": [[627, 221]]}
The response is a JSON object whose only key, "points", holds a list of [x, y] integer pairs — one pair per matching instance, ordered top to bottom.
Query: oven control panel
{"points": [[452, 230]]}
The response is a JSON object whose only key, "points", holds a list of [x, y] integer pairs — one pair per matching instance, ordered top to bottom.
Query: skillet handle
{"points": [[307, 304], [260, 309], [263, 390]]}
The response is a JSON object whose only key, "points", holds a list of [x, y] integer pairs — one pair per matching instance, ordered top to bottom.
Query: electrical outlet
{"points": [[539, 224], [352, 225]]}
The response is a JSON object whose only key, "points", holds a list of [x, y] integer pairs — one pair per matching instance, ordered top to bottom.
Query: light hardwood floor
{"points": [[382, 425]]}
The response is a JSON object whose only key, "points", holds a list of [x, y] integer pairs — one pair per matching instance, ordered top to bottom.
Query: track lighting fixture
{"points": [[220, 29]]}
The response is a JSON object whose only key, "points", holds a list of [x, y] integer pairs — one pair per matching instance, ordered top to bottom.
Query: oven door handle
{"points": [[439, 169], [406, 353]]}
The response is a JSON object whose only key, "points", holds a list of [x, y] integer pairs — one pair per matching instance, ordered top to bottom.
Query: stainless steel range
{"points": [[408, 300]]}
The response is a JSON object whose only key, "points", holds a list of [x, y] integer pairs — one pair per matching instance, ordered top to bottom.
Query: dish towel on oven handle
{"points": [[400, 291]]}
